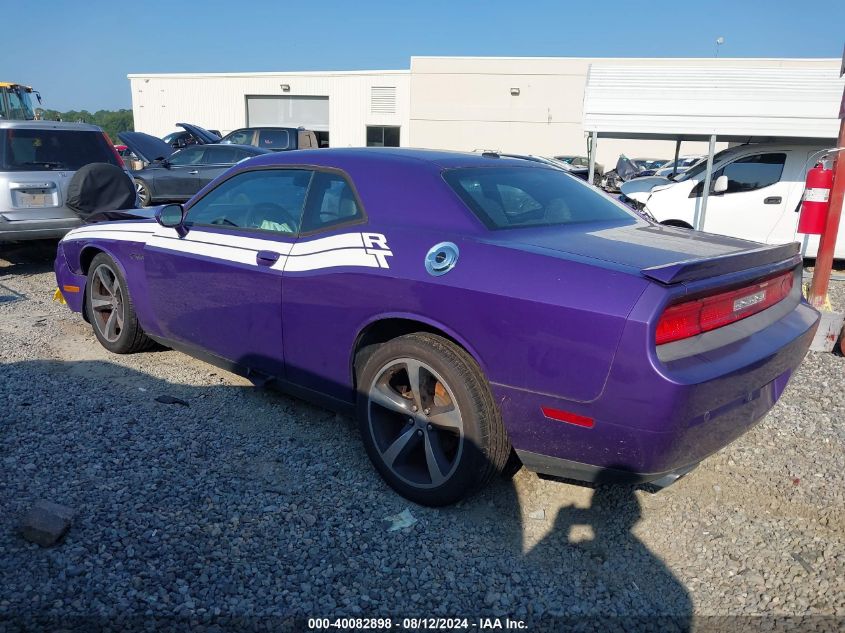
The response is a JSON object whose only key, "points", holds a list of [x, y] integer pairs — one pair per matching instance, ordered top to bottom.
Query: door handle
{"points": [[193, 173], [773, 200], [266, 258]]}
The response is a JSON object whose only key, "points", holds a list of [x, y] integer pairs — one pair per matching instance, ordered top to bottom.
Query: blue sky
{"points": [[78, 54]]}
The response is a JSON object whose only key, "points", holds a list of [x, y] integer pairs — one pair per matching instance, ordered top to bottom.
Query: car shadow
{"points": [[27, 258], [249, 507], [621, 580]]}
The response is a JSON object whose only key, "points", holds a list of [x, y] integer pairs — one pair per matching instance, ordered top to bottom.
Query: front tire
{"points": [[110, 308], [428, 420]]}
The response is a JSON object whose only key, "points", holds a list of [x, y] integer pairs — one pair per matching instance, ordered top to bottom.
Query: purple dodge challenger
{"points": [[475, 312]]}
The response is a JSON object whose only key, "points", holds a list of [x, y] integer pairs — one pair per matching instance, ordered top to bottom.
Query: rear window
{"points": [[273, 139], [52, 150], [513, 197]]}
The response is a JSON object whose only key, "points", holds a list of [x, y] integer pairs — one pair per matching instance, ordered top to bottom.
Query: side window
{"points": [[244, 137], [273, 139], [242, 154], [221, 155], [188, 156], [753, 172], [748, 173], [267, 200], [330, 202]]}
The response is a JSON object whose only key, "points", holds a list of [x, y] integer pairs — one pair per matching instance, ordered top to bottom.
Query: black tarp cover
{"points": [[100, 187]]}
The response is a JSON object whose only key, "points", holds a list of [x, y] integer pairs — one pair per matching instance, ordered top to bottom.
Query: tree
{"points": [[112, 121]]}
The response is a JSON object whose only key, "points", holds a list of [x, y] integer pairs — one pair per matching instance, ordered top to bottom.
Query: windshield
{"points": [[20, 105], [53, 150], [650, 163], [514, 197]]}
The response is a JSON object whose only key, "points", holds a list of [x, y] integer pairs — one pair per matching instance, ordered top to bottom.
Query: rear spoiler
{"points": [[693, 269]]}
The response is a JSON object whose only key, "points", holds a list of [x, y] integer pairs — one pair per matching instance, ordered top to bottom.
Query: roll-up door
{"points": [[312, 113]]}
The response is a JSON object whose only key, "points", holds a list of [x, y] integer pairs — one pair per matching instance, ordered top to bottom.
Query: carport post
{"points": [[593, 139], [677, 153], [699, 217]]}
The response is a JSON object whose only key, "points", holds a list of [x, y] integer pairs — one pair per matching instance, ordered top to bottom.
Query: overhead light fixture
{"points": [[285, 87], [514, 92]]}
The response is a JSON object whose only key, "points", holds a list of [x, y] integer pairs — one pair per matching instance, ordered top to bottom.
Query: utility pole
{"points": [[827, 242]]}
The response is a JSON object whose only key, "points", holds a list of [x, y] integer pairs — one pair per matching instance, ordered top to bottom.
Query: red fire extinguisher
{"points": [[816, 201]]}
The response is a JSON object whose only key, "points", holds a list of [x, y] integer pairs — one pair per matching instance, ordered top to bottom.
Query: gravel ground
{"points": [[249, 509]]}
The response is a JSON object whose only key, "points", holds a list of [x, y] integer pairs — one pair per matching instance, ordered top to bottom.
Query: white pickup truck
{"points": [[755, 194]]}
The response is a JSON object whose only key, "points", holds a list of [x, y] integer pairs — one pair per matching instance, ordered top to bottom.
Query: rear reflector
{"points": [[690, 318], [566, 416]]}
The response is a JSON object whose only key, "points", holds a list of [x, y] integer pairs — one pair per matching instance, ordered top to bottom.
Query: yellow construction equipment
{"points": [[15, 101]]}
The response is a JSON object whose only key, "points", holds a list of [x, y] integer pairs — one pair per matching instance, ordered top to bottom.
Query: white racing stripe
{"points": [[111, 233], [346, 240], [237, 241], [364, 250], [214, 251], [342, 257]]}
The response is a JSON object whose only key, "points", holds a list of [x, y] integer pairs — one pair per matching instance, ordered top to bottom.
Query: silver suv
{"points": [[37, 161]]}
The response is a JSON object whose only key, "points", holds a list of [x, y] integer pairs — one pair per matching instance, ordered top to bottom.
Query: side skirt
{"points": [[260, 379]]}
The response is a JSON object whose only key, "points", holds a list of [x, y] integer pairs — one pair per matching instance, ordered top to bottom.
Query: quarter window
{"points": [[265, 200], [331, 202]]}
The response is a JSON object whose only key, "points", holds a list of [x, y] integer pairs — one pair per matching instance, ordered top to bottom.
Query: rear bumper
{"points": [[15, 230], [648, 425], [566, 469]]}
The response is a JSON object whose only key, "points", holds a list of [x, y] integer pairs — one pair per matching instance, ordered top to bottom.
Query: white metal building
{"points": [[343, 104], [523, 105]]}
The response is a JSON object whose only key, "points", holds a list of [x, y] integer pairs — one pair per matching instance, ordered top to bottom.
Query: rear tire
{"points": [[110, 308], [428, 420]]}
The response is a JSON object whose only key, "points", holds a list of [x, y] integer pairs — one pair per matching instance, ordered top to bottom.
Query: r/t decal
{"points": [[376, 245]]}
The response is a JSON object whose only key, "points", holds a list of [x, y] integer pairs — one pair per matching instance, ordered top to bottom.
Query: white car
{"points": [[755, 194]]}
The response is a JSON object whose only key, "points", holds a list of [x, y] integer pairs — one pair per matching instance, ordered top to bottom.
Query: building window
{"points": [[382, 136]]}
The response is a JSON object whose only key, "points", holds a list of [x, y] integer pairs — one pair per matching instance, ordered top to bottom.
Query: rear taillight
{"points": [[114, 149], [689, 318]]}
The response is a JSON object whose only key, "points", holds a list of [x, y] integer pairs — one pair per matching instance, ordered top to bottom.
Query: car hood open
{"points": [[203, 136], [147, 148]]}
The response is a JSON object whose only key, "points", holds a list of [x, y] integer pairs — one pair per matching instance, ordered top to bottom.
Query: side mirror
{"points": [[721, 184], [171, 216]]}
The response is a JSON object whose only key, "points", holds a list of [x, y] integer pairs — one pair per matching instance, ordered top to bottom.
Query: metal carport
{"points": [[731, 104]]}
